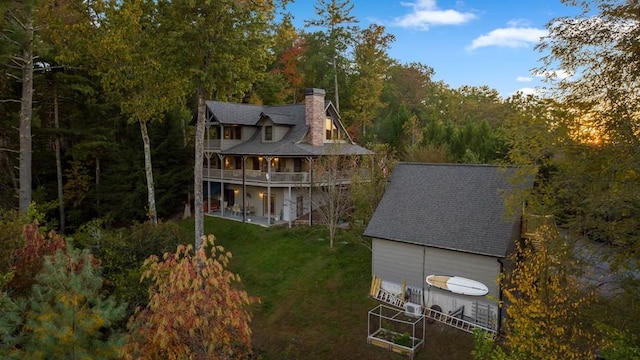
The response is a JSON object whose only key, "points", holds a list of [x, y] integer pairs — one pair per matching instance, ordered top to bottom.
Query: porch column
{"points": [[208, 156], [268, 158], [310, 160], [244, 189], [289, 202], [222, 207]]}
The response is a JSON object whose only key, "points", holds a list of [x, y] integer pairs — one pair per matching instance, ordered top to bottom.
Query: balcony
{"points": [[217, 144], [258, 177]]}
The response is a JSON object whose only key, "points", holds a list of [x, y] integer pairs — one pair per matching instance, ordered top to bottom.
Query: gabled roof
{"points": [[235, 114], [292, 144], [449, 206]]}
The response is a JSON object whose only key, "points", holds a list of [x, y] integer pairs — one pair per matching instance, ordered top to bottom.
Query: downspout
{"points": [[423, 280], [500, 298]]}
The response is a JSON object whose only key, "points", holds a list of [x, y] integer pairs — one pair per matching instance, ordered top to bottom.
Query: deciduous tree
{"points": [[227, 42], [599, 50], [371, 63], [138, 73], [368, 186], [331, 198], [544, 303], [194, 311]]}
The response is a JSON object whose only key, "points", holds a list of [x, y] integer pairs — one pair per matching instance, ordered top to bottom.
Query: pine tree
{"points": [[65, 316], [68, 316]]}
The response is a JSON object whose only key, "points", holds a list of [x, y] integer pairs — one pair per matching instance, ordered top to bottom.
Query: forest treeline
{"points": [[92, 93], [102, 109]]}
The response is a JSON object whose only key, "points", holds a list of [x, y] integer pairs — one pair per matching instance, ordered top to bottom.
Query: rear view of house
{"points": [[258, 158], [446, 219]]}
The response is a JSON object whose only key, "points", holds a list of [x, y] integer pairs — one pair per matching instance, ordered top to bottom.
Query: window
{"points": [[331, 130], [233, 133], [268, 133]]}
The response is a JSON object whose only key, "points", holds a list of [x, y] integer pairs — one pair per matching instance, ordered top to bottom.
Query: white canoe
{"points": [[458, 285]]}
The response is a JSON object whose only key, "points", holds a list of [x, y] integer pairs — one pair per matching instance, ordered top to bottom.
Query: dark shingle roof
{"points": [[292, 144], [450, 206]]}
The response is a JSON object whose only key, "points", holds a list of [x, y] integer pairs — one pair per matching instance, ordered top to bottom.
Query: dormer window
{"points": [[331, 131], [268, 133]]}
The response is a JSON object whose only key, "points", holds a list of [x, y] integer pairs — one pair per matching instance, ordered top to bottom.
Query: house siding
{"points": [[279, 132], [395, 262]]}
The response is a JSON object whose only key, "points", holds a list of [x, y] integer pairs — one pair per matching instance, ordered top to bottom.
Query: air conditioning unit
{"points": [[412, 309]]}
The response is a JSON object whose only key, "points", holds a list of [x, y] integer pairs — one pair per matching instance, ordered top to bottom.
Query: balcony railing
{"points": [[217, 144], [257, 176], [260, 177]]}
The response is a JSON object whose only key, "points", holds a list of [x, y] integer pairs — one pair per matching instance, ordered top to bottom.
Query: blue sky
{"points": [[471, 42]]}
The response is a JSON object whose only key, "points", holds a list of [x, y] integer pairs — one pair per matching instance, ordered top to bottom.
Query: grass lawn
{"points": [[314, 300]]}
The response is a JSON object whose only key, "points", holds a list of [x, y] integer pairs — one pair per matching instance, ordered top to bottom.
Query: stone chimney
{"points": [[315, 115]]}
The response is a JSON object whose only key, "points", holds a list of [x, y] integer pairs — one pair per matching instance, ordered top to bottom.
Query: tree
{"points": [[26, 35], [20, 36], [227, 42], [328, 48], [599, 48], [371, 64], [137, 73], [367, 192], [331, 195], [29, 259], [545, 304], [194, 312], [60, 313], [69, 316]]}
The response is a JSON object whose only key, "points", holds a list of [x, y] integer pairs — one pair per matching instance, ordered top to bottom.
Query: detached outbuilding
{"points": [[447, 219]]}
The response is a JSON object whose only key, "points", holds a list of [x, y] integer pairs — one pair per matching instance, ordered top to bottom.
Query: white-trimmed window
{"points": [[268, 133]]}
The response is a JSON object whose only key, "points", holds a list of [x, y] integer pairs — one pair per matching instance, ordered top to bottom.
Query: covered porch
{"points": [[248, 218]]}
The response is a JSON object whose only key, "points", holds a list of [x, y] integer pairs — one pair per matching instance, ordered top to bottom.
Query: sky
{"points": [[466, 42]]}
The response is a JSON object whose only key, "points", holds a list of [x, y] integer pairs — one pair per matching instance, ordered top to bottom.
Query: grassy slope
{"points": [[314, 300]]}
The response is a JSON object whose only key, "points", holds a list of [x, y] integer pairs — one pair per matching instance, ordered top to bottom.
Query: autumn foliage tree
{"points": [[28, 260], [545, 304], [55, 307], [194, 312]]}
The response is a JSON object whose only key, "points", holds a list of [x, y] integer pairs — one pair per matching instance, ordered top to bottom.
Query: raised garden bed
{"points": [[396, 331]]}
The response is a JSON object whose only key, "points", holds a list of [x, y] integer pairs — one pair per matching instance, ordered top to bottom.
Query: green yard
{"points": [[314, 301]]}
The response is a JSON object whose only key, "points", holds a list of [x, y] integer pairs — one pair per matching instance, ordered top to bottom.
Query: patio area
{"points": [[248, 218]]}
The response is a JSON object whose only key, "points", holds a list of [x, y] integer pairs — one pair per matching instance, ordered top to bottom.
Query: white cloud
{"points": [[425, 13], [513, 37], [555, 74], [523, 79], [527, 91]]}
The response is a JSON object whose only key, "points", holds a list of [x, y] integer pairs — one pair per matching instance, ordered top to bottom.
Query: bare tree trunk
{"points": [[26, 110], [58, 145], [197, 169], [148, 170]]}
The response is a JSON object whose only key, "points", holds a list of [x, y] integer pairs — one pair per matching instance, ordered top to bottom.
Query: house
{"points": [[258, 158], [446, 219]]}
